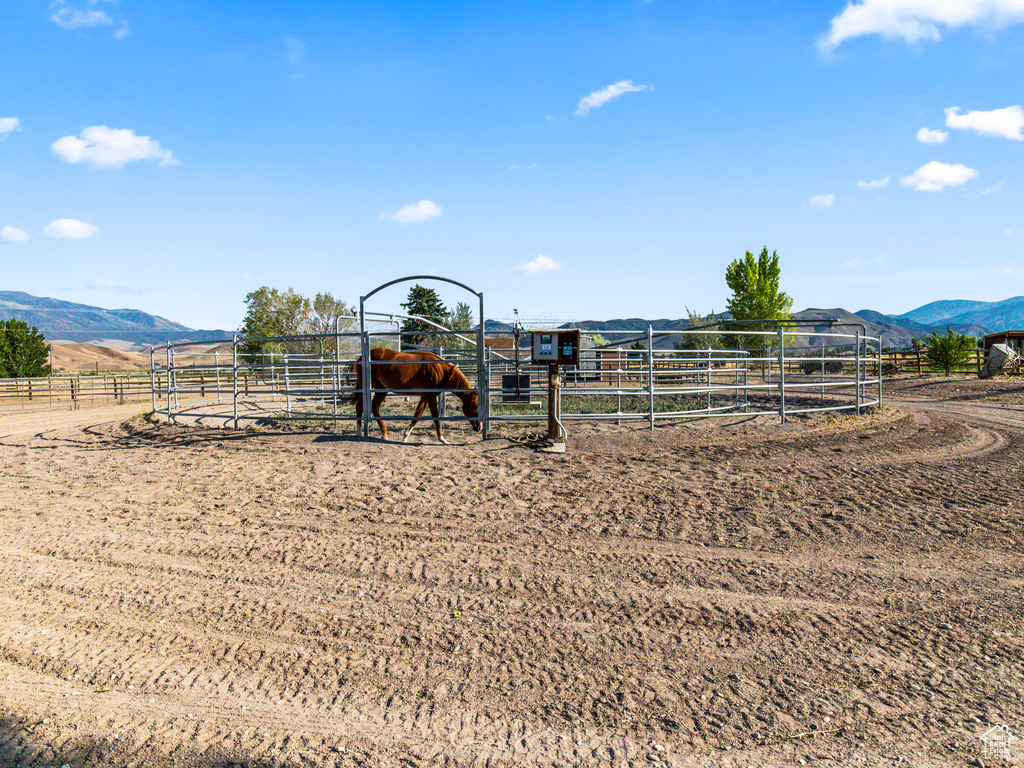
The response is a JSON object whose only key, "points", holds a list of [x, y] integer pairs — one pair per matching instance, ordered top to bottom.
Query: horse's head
{"points": [[471, 408]]}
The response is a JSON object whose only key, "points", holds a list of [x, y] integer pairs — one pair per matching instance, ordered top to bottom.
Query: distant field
{"points": [[70, 357]]}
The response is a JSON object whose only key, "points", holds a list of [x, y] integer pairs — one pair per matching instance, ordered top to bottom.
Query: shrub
{"points": [[949, 350]]}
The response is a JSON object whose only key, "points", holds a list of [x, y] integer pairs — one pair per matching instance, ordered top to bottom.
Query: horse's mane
{"points": [[457, 380]]}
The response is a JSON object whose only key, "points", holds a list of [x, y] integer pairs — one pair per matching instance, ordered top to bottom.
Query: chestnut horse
{"points": [[397, 371]]}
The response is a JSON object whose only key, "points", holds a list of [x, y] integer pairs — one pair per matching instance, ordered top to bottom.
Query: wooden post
{"points": [[918, 362], [553, 395]]}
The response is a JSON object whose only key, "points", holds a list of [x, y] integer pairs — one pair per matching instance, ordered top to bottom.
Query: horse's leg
{"points": [[377, 400], [432, 402], [421, 406]]}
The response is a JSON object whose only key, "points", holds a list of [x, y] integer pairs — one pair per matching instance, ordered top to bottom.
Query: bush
{"points": [[949, 350]]}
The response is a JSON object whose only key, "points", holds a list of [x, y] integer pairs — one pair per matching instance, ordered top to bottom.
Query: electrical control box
{"points": [[561, 346]]}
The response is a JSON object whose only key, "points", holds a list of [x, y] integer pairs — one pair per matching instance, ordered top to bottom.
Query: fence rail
{"points": [[262, 379], [311, 379], [72, 392]]}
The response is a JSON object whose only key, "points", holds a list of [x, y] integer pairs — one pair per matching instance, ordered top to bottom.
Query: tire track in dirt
{"points": [[400, 604]]}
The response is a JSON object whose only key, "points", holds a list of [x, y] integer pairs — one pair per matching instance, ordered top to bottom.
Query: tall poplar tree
{"points": [[755, 296]]}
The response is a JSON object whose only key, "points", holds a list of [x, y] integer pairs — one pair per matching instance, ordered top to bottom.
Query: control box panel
{"points": [[561, 346]]}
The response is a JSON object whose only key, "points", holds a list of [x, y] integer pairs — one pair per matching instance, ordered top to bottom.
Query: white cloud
{"points": [[67, 17], [915, 20], [122, 31], [295, 50], [603, 96], [1006, 122], [9, 125], [928, 136], [103, 147], [523, 167], [936, 176], [875, 184], [994, 188], [823, 201], [414, 213], [70, 229], [1009, 232], [13, 235], [851, 263], [541, 264]]}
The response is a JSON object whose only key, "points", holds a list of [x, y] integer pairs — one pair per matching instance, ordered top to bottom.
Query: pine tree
{"points": [[425, 303]]}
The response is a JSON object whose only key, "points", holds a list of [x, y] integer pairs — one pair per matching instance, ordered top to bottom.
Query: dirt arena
{"points": [[829, 591]]}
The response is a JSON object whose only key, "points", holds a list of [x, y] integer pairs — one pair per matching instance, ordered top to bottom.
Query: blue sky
{"points": [[572, 160]]}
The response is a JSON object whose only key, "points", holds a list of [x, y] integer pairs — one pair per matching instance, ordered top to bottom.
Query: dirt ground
{"points": [[830, 591]]}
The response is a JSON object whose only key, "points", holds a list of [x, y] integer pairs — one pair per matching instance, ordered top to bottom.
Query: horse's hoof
{"points": [[444, 441]]}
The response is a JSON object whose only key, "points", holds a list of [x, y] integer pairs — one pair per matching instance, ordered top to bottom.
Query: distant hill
{"points": [[940, 311], [1006, 315], [975, 318], [66, 321], [128, 329]]}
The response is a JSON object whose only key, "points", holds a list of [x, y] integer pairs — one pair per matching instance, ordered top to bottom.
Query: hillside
{"points": [[941, 311], [67, 321], [132, 330]]}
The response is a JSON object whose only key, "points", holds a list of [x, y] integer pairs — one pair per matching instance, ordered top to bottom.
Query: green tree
{"points": [[755, 296], [422, 302], [328, 310], [270, 312], [459, 319], [709, 339], [949, 350], [24, 353]]}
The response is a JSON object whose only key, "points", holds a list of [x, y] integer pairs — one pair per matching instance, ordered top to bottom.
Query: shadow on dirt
{"points": [[32, 743]]}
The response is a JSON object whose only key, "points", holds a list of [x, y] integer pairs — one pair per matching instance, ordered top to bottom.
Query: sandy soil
{"points": [[833, 590]]}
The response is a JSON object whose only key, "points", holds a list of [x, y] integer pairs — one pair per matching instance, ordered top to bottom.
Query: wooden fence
{"points": [[73, 392]]}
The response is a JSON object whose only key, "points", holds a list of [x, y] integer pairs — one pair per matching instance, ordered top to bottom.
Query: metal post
{"points": [[364, 343], [216, 368], [880, 369], [823, 371], [858, 371], [152, 375], [782, 375], [336, 376], [487, 376], [234, 377], [650, 378], [709, 378], [273, 380], [482, 385], [287, 388], [442, 403], [170, 415]]}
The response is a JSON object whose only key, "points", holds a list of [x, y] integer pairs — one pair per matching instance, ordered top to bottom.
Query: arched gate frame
{"points": [[481, 373]]}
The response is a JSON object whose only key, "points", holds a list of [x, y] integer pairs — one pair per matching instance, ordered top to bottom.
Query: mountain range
{"points": [[66, 321]]}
